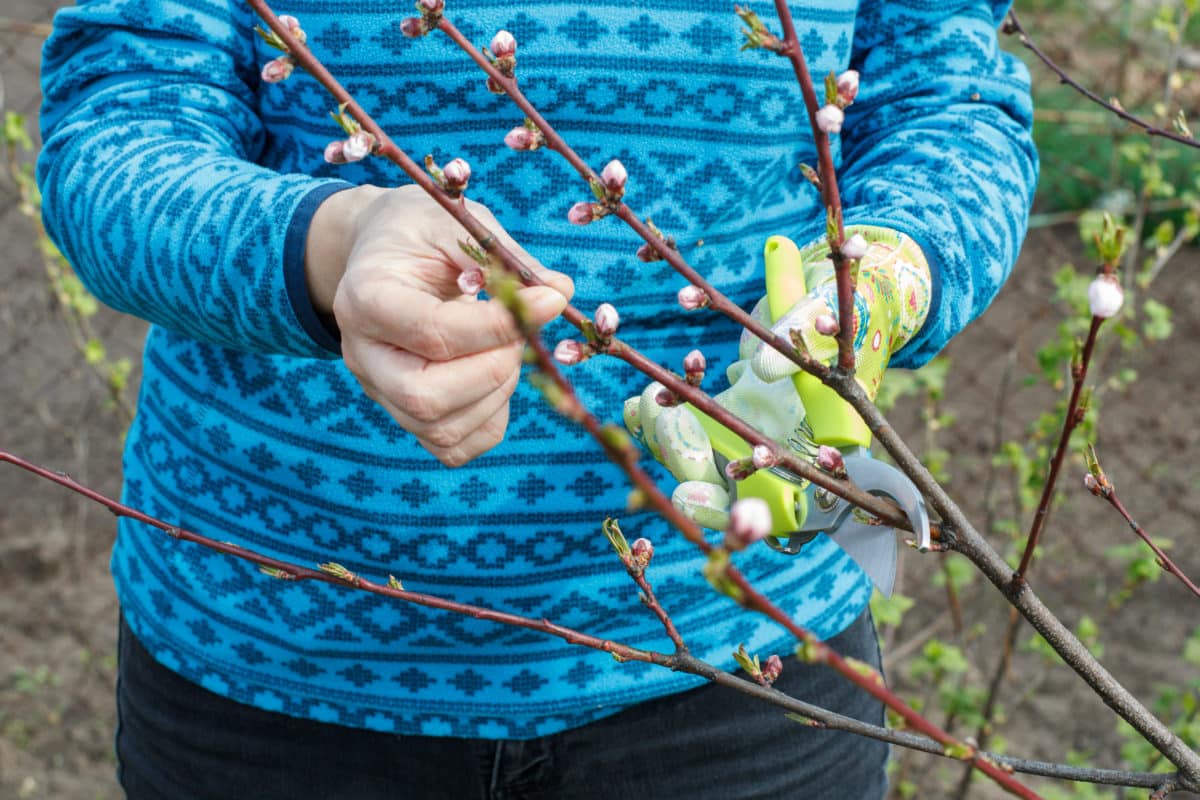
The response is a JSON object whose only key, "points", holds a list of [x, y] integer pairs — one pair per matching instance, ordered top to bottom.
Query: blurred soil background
{"points": [[982, 415]]}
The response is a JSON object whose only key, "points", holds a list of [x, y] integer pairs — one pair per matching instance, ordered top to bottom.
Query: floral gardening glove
{"points": [[891, 303]]}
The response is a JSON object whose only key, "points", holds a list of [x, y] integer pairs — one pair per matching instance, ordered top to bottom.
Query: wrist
{"points": [[332, 232]]}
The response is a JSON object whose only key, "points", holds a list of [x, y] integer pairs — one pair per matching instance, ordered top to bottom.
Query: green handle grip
{"points": [[833, 421], [784, 498]]}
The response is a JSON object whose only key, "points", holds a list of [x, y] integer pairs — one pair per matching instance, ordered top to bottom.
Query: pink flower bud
{"points": [[432, 6], [293, 26], [413, 27], [503, 45], [278, 69], [847, 87], [830, 119], [521, 139], [358, 146], [334, 152], [456, 174], [613, 177], [581, 214], [855, 247], [648, 253], [471, 281], [1105, 296], [692, 297], [606, 320], [826, 325], [569, 352], [694, 366], [667, 399], [762, 457], [830, 459], [739, 469], [749, 521], [642, 551], [772, 669]]}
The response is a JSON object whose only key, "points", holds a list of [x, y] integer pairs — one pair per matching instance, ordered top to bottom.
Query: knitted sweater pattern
{"points": [[180, 186]]}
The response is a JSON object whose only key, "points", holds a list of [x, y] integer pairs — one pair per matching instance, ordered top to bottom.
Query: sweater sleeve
{"points": [[938, 146], [149, 181]]}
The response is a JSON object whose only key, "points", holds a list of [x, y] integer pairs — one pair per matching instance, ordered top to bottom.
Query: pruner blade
{"points": [[872, 546]]}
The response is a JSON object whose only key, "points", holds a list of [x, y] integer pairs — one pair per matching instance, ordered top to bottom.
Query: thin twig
{"points": [[1013, 25], [829, 187], [456, 207], [717, 300], [1074, 416], [960, 535], [1164, 561], [651, 602], [681, 662], [984, 732]]}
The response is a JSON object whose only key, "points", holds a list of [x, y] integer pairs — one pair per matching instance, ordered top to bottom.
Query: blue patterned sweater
{"points": [[180, 187]]}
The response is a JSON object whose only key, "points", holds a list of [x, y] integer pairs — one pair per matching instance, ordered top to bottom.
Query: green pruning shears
{"points": [[801, 510]]}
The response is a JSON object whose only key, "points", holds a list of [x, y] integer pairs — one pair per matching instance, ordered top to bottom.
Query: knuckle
{"points": [[501, 327], [429, 339], [504, 371], [423, 406], [445, 437], [451, 457]]}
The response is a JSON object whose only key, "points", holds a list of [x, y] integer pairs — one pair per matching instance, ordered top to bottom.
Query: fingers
{"points": [[560, 282], [436, 329], [748, 342], [441, 363], [771, 365], [428, 392], [456, 409], [647, 415], [461, 434], [482, 439], [686, 450], [706, 503]]}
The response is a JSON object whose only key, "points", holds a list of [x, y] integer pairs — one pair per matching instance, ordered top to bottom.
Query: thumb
{"points": [[770, 365]]}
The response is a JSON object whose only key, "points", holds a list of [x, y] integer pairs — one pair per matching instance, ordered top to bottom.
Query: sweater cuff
{"points": [[322, 330]]}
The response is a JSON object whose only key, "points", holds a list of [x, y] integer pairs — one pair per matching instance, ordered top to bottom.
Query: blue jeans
{"points": [[178, 741]]}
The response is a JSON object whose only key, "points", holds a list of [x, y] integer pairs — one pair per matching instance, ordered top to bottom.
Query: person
{"points": [[317, 388]]}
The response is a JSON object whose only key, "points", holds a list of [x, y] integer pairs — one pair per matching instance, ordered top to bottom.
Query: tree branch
{"points": [[1013, 26]]}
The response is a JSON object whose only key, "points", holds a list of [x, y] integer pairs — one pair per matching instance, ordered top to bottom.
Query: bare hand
{"points": [[443, 364]]}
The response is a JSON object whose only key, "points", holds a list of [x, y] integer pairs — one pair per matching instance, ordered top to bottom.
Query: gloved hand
{"points": [[891, 303]]}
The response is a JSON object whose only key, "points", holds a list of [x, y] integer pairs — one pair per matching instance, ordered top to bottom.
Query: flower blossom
{"points": [[830, 119], [1105, 296], [749, 521]]}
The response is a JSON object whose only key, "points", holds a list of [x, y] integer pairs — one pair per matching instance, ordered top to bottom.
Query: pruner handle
{"points": [[833, 421], [785, 498]]}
